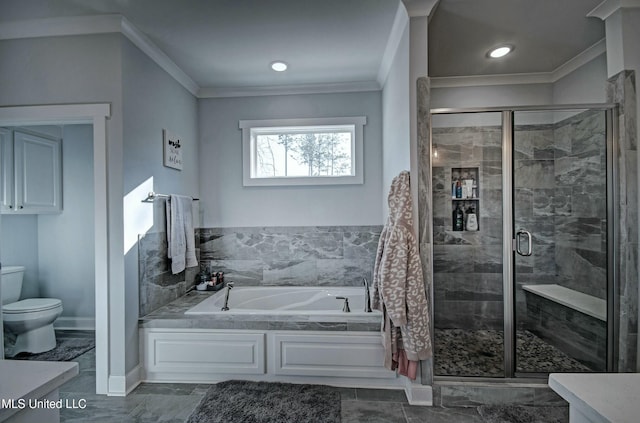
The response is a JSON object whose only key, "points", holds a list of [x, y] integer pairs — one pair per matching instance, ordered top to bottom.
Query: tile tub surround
{"points": [[267, 256], [302, 256], [158, 286]]}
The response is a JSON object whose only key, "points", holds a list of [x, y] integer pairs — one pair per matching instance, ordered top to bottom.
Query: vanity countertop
{"points": [[22, 379], [600, 397]]}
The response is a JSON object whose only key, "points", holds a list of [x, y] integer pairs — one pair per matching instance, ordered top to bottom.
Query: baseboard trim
{"points": [[75, 323], [133, 379], [121, 386], [418, 394]]}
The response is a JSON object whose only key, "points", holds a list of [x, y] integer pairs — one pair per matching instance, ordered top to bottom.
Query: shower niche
{"points": [[465, 199]]}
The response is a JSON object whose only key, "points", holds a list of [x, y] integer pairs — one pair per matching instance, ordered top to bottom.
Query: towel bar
{"points": [[151, 197]]}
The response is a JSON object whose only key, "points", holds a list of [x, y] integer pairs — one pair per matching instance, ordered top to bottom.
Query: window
{"points": [[322, 151]]}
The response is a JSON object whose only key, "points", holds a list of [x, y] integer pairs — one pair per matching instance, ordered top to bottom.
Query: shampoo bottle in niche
{"points": [[458, 189], [458, 218], [472, 219]]}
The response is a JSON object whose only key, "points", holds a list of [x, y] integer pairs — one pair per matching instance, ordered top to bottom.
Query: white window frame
{"points": [[250, 127]]}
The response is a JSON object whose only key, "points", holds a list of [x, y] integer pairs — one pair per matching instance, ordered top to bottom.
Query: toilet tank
{"points": [[11, 283]]}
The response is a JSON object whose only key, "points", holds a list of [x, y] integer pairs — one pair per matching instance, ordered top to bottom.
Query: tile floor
{"points": [[462, 352], [173, 403]]}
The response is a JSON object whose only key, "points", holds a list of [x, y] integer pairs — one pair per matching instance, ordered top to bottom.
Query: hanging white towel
{"points": [[181, 244]]}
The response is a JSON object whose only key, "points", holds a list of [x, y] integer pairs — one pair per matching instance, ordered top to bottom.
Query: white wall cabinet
{"points": [[31, 173]]}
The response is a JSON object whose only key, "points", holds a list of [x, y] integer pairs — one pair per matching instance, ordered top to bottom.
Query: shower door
{"points": [[560, 238], [526, 289]]}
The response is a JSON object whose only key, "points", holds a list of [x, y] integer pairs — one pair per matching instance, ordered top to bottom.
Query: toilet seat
{"points": [[31, 305]]}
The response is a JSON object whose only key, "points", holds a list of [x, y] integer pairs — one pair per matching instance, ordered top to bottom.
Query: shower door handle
{"points": [[519, 236]]}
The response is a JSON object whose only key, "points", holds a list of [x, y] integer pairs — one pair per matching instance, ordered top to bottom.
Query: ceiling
{"points": [[545, 33], [230, 43]]}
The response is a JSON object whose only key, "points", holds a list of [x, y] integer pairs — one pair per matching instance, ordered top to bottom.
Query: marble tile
{"points": [[584, 168], [534, 173], [491, 174], [361, 245], [241, 272], [344, 272], [286, 273], [382, 395], [470, 396], [165, 408], [371, 412], [417, 414]]}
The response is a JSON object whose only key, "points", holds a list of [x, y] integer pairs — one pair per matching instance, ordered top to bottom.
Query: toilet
{"points": [[31, 320]]}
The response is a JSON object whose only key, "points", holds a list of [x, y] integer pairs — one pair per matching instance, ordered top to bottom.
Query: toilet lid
{"points": [[31, 304]]}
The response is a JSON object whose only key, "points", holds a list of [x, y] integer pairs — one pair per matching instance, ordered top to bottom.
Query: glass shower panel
{"points": [[560, 228], [467, 250]]}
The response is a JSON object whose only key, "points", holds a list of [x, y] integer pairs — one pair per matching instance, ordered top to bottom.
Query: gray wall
{"points": [[586, 84], [152, 101], [396, 135], [226, 203], [66, 241], [19, 246]]}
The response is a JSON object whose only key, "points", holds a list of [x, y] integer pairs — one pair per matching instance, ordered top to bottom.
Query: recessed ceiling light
{"points": [[500, 51], [279, 66]]}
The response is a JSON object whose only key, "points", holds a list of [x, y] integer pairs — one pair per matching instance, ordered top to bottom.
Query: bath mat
{"points": [[65, 350], [238, 401], [523, 414]]}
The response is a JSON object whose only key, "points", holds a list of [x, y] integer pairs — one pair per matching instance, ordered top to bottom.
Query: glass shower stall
{"points": [[523, 236]]}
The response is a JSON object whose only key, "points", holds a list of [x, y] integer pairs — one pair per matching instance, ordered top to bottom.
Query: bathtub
{"points": [[284, 301], [272, 334]]}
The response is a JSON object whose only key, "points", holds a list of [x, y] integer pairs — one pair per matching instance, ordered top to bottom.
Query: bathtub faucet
{"points": [[226, 298], [367, 298], [345, 307]]}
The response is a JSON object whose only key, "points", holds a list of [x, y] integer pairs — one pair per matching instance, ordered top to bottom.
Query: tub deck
{"points": [[172, 316]]}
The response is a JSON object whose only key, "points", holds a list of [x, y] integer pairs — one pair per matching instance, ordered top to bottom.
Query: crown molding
{"points": [[609, 7], [416, 8], [400, 22], [98, 24], [55, 27], [141, 41], [580, 60], [523, 78], [341, 87]]}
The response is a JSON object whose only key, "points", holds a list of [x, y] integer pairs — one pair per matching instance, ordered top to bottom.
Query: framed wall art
{"points": [[172, 150]]}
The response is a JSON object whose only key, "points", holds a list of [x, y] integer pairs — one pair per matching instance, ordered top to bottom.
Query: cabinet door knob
{"points": [[10, 206], [22, 207]]}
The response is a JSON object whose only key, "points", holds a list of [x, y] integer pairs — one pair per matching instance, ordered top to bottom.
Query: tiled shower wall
{"points": [[621, 89], [560, 189], [560, 192], [268, 256], [467, 266]]}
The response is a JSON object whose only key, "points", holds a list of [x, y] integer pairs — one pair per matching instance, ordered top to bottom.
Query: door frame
{"points": [[95, 114]]}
